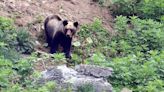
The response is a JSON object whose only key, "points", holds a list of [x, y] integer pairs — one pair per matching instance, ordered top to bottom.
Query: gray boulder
{"points": [[95, 71], [80, 76]]}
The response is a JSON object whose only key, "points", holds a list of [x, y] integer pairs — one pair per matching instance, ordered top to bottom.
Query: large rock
{"points": [[95, 71], [80, 76]]}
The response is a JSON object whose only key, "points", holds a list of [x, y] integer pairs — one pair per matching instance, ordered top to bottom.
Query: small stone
{"points": [[61, 11]]}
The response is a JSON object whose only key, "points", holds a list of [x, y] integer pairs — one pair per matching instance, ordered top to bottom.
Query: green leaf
{"points": [[76, 44]]}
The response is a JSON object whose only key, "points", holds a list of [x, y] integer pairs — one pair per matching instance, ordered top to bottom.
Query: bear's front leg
{"points": [[54, 46], [67, 50]]}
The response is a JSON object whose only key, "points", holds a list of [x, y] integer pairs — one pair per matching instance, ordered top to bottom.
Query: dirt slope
{"points": [[27, 12], [32, 13]]}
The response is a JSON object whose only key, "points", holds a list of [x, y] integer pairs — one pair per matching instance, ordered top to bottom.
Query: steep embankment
{"points": [[26, 12], [32, 13]]}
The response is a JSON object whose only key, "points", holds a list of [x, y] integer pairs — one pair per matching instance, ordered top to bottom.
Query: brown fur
{"points": [[59, 32]]}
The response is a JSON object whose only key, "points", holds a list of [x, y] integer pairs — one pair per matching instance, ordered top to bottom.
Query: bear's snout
{"points": [[69, 34]]}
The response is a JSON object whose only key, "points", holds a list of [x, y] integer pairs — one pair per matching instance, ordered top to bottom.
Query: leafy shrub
{"points": [[124, 7], [143, 8], [151, 9], [6, 23], [139, 35], [132, 36], [19, 40], [91, 40], [24, 44], [135, 52], [8, 53], [59, 57], [97, 59], [24, 67], [6, 72], [11, 72], [14, 72], [137, 73], [19, 76], [153, 86], [86, 88]]}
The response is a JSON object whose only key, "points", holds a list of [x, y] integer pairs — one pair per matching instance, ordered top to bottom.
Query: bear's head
{"points": [[70, 28]]}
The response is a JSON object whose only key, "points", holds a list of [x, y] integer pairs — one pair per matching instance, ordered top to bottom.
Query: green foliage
{"points": [[124, 7], [143, 8], [151, 9], [6, 23], [97, 31], [132, 36], [138, 36], [18, 40], [91, 40], [24, 43], [135, 52], [8, 53], [59, 57], [76, 59], [96, 59], [24, 68], [6, 71], [12, 72], [16, 72], [137, 73], [20, 77], [153, 86], [48, 87], [86, 88]]}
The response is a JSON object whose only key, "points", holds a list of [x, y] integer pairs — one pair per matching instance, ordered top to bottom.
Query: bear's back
{"points": [[54, 25]]}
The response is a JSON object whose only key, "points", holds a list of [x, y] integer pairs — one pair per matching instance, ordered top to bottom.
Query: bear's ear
{"points": [[65, 22], [76, 24]]}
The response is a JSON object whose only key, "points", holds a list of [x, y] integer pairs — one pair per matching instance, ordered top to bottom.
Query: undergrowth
{"points": [[153, 9], [135, 52], [16, 72]]}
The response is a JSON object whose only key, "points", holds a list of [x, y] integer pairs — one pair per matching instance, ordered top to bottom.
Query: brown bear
{"points": [[59, 32]]}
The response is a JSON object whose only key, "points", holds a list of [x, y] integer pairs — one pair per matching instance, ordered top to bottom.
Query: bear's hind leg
{"points": [[48, 40], [54, 46]]}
